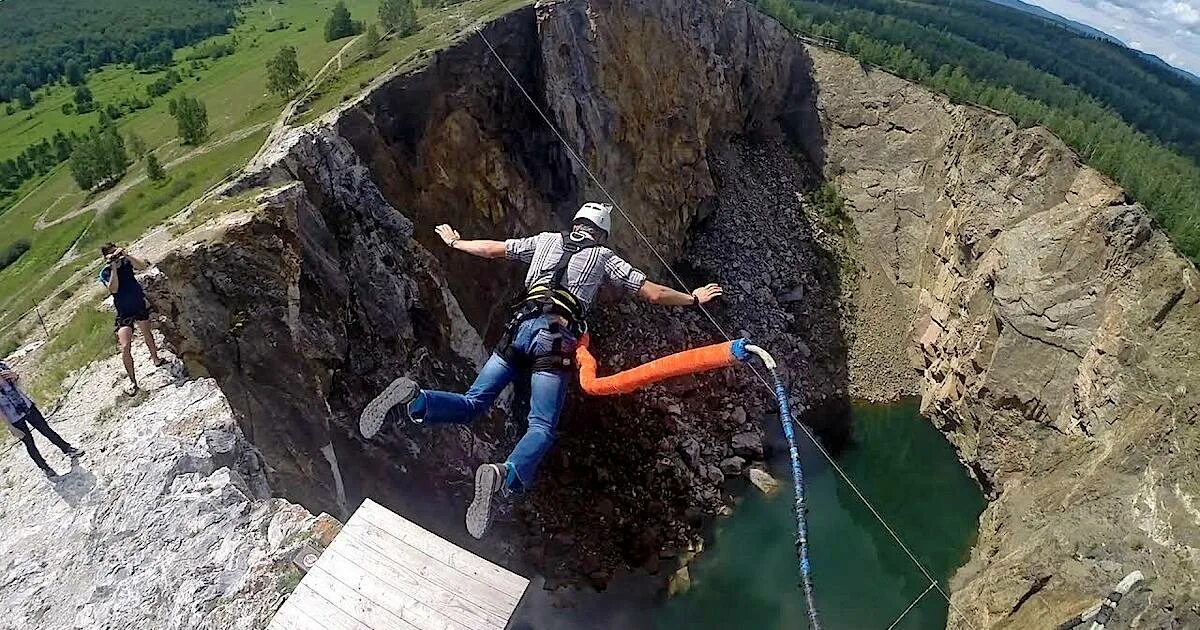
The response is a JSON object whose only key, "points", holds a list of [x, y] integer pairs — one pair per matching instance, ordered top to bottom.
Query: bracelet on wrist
{"points": [[695, 300]]}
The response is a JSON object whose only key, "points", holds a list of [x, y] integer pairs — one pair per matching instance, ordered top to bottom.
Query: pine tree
{"points": [[399, 16], [340, 25], [74, 72], [284, 76], [23, 96], [83, 99], [191, 116], [62, 145], [154, 170]]}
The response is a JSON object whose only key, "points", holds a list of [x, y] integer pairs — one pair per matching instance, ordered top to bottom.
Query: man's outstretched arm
{"points": [[480, 248], [666, 296]]}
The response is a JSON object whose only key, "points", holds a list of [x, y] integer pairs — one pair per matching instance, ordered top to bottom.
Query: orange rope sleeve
{"points": [[678, 364]]}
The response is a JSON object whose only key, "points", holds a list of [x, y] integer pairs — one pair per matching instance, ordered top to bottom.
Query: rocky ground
{"points": [[339, 276], [1047, 322], [680, 441], [166, 522]]}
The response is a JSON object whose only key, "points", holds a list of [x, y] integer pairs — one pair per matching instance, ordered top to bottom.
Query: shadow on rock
{"points": [[75, 484]]}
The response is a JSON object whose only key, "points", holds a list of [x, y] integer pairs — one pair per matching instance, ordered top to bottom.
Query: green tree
{"points": [[399, 16], [340, 25], [372, 43], [74, 72], [284, 76], [23, 96], [83, 99], [191, 117], [62, 145], [137, 146], [113, 154], [99, 158], [85, 165], [154, 169]]}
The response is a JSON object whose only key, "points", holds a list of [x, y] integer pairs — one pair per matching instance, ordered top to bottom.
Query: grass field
{"points": [[440, 28], [233, 87], [233, 90], [239, 109]]}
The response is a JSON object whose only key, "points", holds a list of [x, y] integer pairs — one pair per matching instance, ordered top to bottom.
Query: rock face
{"points": [[305, 308], [1051, 326], [1055, 334], [167, 522]]}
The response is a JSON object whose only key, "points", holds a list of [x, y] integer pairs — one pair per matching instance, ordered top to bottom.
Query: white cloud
{"points": [[1183, 12], [1167, 28]]}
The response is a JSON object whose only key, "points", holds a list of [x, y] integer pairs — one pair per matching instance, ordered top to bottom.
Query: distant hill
{"points": [[1078, 27], [1088, 31], [1158, 61], [1123, 112]]}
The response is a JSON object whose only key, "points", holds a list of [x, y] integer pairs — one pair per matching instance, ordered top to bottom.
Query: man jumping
{"points": [[565, 274], [130, 301]]}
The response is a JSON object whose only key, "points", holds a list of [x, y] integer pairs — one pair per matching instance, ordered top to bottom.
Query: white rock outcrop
{"points": [[166, 523]]}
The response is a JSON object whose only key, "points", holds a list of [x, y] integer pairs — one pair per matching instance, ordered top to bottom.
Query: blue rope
{"points": [[806, 582]]}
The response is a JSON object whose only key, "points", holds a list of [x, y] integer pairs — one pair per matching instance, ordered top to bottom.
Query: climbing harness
{"points": [[549, 297], [777, 390], [1102, 613]]}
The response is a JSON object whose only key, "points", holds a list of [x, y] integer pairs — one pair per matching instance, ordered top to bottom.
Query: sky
{"points": [[1167, 28]]}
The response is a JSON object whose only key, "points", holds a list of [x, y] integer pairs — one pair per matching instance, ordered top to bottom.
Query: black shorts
{"points": [[127, 320]]}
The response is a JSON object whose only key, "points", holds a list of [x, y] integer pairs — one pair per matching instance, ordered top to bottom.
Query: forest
{"points": [[62, 40], [1127, 117]]}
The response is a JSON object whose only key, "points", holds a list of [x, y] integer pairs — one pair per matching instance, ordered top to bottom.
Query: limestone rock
{"points": [[1054, 331], [748, 444], [763, 481], [167, 522], [680, 582]]}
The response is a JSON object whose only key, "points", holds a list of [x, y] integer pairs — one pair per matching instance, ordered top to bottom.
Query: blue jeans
{"points": [[533, 339]]}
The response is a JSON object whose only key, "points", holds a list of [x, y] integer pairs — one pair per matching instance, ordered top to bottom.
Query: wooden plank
{"points": [[440, 549], [410, 563], [382, 572], [399, 588], [499, 593], [363, 598], [308, 609], [285, 619]]}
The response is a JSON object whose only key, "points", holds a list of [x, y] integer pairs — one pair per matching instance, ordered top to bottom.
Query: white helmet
{"points": [[598, 213]]}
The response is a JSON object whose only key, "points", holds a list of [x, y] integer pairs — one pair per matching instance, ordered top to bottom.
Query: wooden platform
{"points": [[385, 573]]}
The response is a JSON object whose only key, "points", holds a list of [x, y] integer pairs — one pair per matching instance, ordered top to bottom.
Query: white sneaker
{"points": [[401, 392], [489, 479]]}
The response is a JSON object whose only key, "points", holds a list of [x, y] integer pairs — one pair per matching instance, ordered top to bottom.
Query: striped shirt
{"points": [[586, 273], [14, 404]]}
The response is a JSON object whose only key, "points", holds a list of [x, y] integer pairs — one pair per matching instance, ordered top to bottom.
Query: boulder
{"points": [[748, 444], [732, 465], [763, 481]]}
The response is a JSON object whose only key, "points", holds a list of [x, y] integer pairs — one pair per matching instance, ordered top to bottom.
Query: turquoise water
{"points": [[747, 578]]}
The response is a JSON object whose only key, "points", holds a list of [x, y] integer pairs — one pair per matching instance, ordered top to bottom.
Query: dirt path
{"points": [[281, 127], [111, 196], [158, 237]]}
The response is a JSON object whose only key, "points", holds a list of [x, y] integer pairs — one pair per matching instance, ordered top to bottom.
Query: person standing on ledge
{"points": [[565, 274], [130, 301], [23, 416]]}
